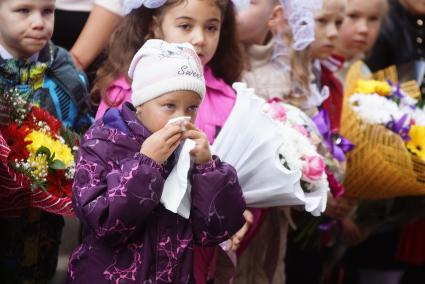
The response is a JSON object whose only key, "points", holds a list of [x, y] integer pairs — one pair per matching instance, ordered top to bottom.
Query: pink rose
{"points": [[277, 111], [301, 129], [314, 168]]}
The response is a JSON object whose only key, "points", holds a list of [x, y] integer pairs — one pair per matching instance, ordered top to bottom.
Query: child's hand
{"points": [[160, 145], [201, 152], [339, 208], [351, 233], [235, 241]]}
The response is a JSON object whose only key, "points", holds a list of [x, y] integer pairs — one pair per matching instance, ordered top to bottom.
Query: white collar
{"points": [[5, 54]]}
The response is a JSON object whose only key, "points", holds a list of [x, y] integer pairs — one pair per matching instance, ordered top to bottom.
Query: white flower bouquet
{"points": [[272, 147]]}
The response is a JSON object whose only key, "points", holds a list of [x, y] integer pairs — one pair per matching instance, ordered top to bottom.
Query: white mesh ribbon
{"points": [[130, 5], [301, 20], [280, 56], [316, 98]]}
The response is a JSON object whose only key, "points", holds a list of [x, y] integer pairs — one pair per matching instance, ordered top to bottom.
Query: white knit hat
{"points": [[160, 67]]}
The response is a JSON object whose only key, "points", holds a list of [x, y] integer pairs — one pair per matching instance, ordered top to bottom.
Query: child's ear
{"points": [[276, 18], [156, 30]]}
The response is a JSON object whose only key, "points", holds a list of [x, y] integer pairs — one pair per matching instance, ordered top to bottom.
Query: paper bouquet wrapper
{"points": [[249, 141], [380, 166], [15, 193]]}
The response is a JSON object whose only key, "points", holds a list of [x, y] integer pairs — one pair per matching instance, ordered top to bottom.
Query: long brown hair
{"points": [[136, 29]]}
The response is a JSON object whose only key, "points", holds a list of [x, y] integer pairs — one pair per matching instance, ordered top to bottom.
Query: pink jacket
{"points": [[216, 106]]}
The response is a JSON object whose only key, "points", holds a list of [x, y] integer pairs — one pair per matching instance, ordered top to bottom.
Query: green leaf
{"points": [[71, 138], [43, 151], [52, 158], [57, 165], [38, 185], [34, 186], [42, 187]]}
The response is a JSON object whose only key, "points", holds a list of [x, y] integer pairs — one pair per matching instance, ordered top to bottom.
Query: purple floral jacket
{"points": [[128, 236]]}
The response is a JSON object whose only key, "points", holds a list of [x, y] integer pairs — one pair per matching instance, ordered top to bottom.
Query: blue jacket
{"points": [[63, 91]]}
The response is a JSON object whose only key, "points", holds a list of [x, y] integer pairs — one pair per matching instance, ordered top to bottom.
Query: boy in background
{"points": [[28, 60]]}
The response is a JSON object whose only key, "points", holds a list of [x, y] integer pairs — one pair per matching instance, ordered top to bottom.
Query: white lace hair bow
{"points": [[130, 5], [301, 20]]}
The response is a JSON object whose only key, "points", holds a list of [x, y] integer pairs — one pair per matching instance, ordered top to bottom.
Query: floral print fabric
{"points": [[128, 236]]}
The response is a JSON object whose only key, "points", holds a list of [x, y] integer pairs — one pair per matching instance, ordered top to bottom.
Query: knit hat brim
{"points": [[166, 86]]}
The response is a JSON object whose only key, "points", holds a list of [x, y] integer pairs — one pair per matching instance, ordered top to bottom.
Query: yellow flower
{"points": [[381, 88], [416, 145], [62, 151], [38, 164]]}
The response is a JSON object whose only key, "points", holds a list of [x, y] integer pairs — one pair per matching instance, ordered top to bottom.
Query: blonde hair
{"points": [[385, 10], [294, 65], [299, 67], [300, 73]]}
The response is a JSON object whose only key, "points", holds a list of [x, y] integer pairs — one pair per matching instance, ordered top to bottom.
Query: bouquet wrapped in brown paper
{"points": [[388, 160]]}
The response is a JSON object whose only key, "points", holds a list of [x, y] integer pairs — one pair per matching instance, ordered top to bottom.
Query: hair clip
{"points": [[130, 5]]}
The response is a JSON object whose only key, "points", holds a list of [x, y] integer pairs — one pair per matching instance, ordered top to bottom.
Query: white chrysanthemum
{"points": [[408, 100], [375, 109], [418, 115], [294, 147]]}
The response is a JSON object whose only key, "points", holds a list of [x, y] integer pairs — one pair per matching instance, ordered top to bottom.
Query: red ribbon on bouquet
{"points": [[15, 195]]}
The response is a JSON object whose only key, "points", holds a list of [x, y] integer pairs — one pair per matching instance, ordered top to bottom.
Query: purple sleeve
{"points": [[112, 201], [217, 203]]}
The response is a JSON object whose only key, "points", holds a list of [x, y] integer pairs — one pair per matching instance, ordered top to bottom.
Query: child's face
{"points": [[416, 7], [195, 21], [252, 22], [327, 23], [26, 25], [360, 27], [155, 114]]}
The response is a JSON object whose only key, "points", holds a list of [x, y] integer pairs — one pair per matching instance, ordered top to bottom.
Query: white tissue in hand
{"points": [[182, 120], [176, 192]]}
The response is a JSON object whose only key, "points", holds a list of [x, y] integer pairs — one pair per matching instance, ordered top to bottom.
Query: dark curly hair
{"points": [[136, 29]]}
